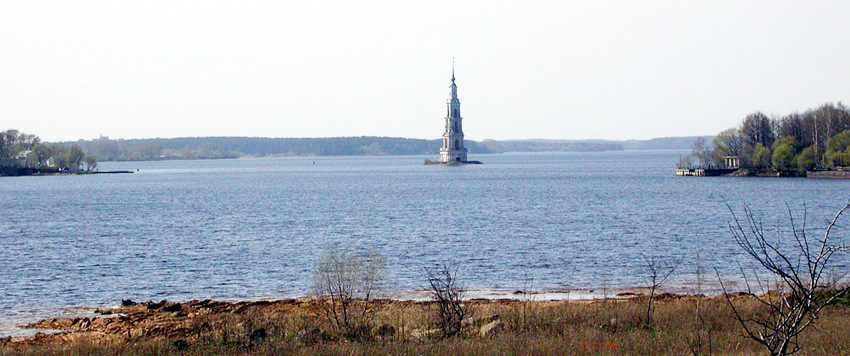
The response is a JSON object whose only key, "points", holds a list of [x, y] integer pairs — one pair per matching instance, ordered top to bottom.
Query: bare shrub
{"points": [[657, 270], [346, 282], [802, 289], [447, 294], [527, 298], [701, 340]]}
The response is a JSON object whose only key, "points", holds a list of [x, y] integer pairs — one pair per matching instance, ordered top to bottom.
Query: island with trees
{"points": [[814, 143], [24, 154]]}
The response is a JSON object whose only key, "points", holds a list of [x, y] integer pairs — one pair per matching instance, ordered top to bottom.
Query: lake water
{"points": [[255, 228]]}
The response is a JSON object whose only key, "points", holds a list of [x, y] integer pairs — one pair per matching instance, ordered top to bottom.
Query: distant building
{"points": [[453, 150], [732, 162]]}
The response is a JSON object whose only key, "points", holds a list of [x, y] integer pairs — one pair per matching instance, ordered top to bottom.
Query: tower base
{"points": [[429, 162]]}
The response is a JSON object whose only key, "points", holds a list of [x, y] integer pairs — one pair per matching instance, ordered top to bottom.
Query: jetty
{"points": [[24, 172], [703, 172], [842, 174]]}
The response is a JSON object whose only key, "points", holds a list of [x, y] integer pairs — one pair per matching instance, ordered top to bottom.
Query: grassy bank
{"points": [[681, 326]]}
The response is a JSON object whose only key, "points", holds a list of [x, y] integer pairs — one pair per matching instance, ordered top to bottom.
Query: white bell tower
{"points": [[453, 149]]}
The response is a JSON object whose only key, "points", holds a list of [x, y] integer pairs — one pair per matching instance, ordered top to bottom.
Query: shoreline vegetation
{"points": [[814, 143], [24, 154], [682, 324]]}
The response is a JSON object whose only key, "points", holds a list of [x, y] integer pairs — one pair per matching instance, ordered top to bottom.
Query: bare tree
{"points": [[658, 270], [347, 281], [804, 287], [447, 293]]}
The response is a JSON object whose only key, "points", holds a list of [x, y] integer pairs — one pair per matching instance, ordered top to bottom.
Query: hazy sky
{"points": [[525, 69]]}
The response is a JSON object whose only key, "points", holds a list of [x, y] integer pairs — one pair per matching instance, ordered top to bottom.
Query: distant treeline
{"points": [[665, 143], [539, 145], [552, 145], [232, 147]]}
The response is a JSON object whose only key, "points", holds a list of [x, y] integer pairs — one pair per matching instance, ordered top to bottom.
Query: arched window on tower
{"points": [[457, 144]]}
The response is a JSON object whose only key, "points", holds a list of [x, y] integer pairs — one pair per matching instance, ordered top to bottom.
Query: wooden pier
{"points": [[702, 172]]}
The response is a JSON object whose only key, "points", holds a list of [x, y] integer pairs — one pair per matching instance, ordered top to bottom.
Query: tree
{"points": [[835, 118], [792, 125], [757, 129], [787, 140], [6, 141], [13, 142], [839, 142], [726, 143], [43, 152], [837, 153], [701, 154], [62, 157], [75, 157], [699, 157], [760, 157], [783, 157], [808, 159], [836, 159], [686, 162], [91, 163], [657, 270], [803, 272], [346, 282], [447, 293]]}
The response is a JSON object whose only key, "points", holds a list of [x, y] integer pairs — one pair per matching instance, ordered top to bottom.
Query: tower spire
{"points": [[453, 69]]}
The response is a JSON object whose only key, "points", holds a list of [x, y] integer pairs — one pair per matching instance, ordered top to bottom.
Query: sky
{"points": [[525, 69]]}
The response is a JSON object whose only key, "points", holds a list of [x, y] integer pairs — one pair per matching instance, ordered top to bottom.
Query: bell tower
{"points": [[453, 150]]}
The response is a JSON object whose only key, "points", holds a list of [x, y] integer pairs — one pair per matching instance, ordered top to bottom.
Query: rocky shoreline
{"points": [[132, 321], [519, 325]]}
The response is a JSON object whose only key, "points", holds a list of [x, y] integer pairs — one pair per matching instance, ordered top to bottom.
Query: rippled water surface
{"points": [[254, 228]]}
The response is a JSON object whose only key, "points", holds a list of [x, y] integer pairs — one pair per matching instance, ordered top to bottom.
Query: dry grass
{"points": [[683, 326]]}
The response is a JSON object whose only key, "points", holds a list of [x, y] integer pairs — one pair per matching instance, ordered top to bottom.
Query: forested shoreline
{"points": [[817, 139], [235, 147], [25, 154], [84, 154]]}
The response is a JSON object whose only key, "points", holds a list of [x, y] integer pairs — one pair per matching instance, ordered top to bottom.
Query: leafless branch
{"points": [[801, 292], [447, 294]]}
